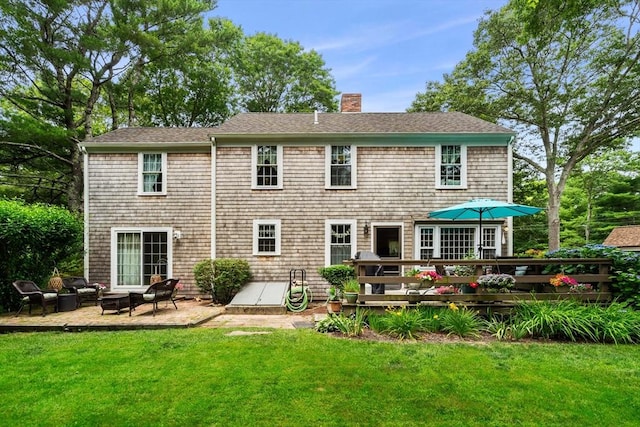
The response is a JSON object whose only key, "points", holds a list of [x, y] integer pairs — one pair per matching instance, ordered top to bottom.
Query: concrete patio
{"points": [[190, 313]]}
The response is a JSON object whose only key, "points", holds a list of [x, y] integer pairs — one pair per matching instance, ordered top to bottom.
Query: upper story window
{"points": [[266, 167], [451, 167], [340, 171], [152, 173], [266, 237]]}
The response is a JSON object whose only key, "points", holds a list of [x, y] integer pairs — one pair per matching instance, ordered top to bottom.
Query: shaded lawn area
{"points": [[301, 377]]}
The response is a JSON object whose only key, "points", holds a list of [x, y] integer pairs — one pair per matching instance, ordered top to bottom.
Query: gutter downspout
{"points": [[85, 196], [213, 196], [509, 233]]}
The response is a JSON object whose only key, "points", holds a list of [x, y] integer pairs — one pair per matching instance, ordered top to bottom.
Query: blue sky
{"points": [[384, 49]]}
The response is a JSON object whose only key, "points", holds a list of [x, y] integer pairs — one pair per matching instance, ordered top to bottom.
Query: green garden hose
{"points": [[297, 298]]}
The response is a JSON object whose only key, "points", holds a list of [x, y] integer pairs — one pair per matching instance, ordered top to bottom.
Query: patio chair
{"points": [[80, 286], [159, 291], [32, 294]]}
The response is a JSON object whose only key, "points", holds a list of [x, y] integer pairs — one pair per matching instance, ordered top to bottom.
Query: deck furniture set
{"points": [[79, 291]]}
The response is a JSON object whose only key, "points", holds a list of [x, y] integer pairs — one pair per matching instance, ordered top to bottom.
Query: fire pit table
{"points": [[114, 302]]}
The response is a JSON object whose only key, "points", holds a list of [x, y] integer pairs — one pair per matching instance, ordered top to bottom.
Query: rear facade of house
{"points": [[290, 191]]}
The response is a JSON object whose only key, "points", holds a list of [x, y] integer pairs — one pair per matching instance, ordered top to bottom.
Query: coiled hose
{"points": [[297, 298]]}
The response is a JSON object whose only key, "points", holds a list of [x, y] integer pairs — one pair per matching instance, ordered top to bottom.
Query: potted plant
{"points": [[337, 276], [426, 278], [496, 282], [562, 282], [469, 288], [351, 290], [334, 301]]}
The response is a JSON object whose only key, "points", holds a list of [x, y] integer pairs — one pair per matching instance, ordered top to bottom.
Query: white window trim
{"points": [[254, 168], [327, 168], [463, 169], [141, 191], [256, 224], [327, 237], [436, 237], [114, 254]]}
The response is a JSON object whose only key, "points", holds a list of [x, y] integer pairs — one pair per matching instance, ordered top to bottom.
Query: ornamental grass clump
{"points": [[462, 322], [401, 323]]}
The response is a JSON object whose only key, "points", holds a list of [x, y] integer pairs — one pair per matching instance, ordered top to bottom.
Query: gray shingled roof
{"points": [[303, 123], [349, 123], [157, 134]]}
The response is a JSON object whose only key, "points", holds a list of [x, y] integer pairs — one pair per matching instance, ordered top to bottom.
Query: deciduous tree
{"points": [[56, 58], [564, 75]]}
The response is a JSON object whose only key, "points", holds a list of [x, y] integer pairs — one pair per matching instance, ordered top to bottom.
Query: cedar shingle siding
{"points": [[395, 184]]}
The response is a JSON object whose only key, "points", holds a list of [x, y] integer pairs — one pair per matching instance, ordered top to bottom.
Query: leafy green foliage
{"points": [[58, 58], [273, 75], [562, 77], [599, 196], [33, 240], [625, 271], [337, 275], [222, 277], [570, 320], [462, 322], [403, 323], [350, 325]]}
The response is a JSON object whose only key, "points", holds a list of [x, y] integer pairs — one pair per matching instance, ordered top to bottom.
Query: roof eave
{"points": [[390, 138], [134, 147]]}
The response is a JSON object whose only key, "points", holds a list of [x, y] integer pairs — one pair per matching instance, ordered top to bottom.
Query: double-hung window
{"points": [[266, 166], [451, 166], [340, 169], [152, 173], [266, 237], [340, 238], [137, 254]]}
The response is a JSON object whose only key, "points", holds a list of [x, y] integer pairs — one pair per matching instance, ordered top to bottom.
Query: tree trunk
{"points": [[74, 193], [553, 222]]}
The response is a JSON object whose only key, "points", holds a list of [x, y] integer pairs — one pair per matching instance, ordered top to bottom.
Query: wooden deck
{"points": [[532, 285]]}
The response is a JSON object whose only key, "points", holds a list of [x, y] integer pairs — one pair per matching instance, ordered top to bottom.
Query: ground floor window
{"points": [[266, 237], [340, 238], [455, 242], [139, 254]]}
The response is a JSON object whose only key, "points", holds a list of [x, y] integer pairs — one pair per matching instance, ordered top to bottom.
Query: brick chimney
{"points": [[351, 103]]}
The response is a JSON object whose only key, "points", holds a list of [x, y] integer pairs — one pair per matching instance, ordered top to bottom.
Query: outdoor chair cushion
{"points": [[89, 291], [159, 291]]}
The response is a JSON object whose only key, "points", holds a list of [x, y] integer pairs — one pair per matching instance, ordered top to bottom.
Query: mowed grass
{"points": [[201, 377]]}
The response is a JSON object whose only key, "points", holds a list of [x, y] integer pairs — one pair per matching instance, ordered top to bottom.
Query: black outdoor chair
{"points": [[80, 286], [159, 291], [33, 295]]}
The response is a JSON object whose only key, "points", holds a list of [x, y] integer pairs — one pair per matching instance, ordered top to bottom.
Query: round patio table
{"points": [[67, 302]]}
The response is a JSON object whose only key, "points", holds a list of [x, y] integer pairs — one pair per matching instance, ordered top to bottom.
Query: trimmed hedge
{"points": [[33, 240], [227, 275], [337, 275]]}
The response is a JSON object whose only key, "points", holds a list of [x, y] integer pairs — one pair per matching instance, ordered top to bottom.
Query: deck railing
{"points": [[531, 283]]}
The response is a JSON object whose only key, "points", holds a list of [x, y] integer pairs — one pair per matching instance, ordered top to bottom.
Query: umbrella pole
{"points": [[480, 235]]}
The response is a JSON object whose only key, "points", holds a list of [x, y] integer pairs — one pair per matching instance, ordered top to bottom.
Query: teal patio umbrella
{"points": [[483, 209]]}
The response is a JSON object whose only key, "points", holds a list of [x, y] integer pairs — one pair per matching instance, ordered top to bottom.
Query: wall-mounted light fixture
{"points": [[366, 228], [177, 234]]}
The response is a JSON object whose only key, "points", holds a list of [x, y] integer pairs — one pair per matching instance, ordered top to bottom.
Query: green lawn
{"points": [[200, 377]]}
